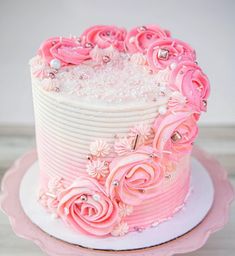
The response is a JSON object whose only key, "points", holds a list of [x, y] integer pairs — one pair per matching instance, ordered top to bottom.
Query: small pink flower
{"points": [[105, 36], [140, 38], [165, 51], [103, 56], [50, 85], [144, 132], [123, 146], [99, 148], [97, 169], [55, 185], [125, 209], [121, 229]]}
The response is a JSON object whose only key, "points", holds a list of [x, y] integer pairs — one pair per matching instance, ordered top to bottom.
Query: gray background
{"points": [[207, 25]]}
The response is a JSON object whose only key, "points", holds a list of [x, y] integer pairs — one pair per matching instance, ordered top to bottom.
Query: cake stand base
{"points": [[213, 220]]}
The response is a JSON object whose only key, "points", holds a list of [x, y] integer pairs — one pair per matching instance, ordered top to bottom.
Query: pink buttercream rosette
{"points": [[137, 177], [87, 208]]}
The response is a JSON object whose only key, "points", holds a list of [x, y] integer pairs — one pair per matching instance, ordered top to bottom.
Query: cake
{"points": [[116, 115]]}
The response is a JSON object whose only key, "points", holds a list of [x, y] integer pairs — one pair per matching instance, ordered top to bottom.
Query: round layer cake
{"points": [[116, 116]]}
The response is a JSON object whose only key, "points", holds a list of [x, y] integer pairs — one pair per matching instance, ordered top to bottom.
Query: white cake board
{"points": [[196, 208]]}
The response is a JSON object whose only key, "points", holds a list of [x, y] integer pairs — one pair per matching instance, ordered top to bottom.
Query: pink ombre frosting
{"points": [[116, 117]]}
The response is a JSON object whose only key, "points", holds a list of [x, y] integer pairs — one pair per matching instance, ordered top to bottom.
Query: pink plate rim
{"points": [[195, 239]]}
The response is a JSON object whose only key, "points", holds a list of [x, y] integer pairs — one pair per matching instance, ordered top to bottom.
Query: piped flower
{"points": [[103, 56], [143, 131], [123, 146], [99, 148], [97, 169], [125, 209], [121, 229]]}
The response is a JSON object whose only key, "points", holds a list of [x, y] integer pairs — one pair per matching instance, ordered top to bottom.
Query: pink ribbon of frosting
{"points": [[86, 207]]}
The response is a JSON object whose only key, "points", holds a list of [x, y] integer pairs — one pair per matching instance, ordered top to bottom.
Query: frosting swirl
{"points": [[105, 36], [139, 39], [66, 50], [165, 51], [189, 79], [175, 132], [134, 177], [87, 208]]}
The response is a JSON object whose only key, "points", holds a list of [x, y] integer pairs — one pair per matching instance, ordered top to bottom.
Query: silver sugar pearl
{"points": [[142, 28], [89, 45], [106, 59], [55, 63], [51, 75], [204, 103], [115, 183], [96, 197], [83, 198], [66, 211]]}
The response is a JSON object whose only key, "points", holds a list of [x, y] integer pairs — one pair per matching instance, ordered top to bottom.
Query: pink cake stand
{"points": [[193, 240]]}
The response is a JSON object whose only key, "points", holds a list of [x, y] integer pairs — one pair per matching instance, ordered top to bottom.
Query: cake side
{"points": [[116, 117]]}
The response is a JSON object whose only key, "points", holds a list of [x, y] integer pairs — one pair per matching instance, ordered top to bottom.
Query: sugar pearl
{"points": [[142, 28], [132, 40], [88, 45], [106, 59], [55, 63], [173, 65], [204, 103], [162, 110], [115, 183], [96, 197], [83, 198], [66, 211], [54, 216]]}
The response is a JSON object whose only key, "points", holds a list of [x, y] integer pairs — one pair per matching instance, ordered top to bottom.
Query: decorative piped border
{"points": [[149, 46]]}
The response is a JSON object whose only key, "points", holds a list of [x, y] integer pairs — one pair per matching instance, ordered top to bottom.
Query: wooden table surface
{"points": [[219, 141]]}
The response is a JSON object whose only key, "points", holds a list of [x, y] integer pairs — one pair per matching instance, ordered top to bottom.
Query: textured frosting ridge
{"points": [[116, 116]]}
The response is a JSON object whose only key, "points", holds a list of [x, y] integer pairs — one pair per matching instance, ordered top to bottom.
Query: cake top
{"points": [[109, 65]]}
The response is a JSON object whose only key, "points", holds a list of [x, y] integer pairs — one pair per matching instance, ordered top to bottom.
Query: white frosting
{"points": [[121, 80], [68, 127]]}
